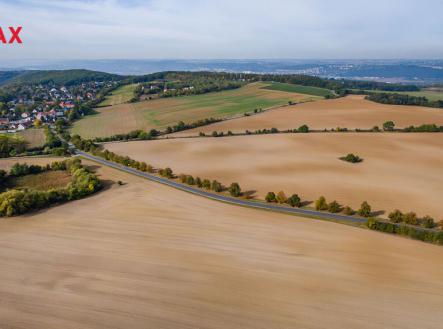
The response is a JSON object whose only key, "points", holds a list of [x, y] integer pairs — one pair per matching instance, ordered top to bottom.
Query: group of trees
{"points": [[402, 99], [180, 126], [301, 129], [135, 134], [11, 145], [215, 185], [294, 200], [15, 202], [365, 209], [411, 218], [418, 233]]}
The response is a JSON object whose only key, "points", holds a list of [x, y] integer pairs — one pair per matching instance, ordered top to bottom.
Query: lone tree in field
{"points": [[389, 126], [352, 158], [216, 186], [235, 190], [270, 197], [281, 197], [294, 201], [321, 203], [334, 207], [365, 210], [396, 216]]}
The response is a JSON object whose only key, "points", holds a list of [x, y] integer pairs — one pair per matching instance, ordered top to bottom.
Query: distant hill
{"points": [[59, 77]]}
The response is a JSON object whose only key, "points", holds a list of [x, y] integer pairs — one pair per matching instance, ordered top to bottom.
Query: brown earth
{"points": [[349, 112], [402, 171], [144, 255]]}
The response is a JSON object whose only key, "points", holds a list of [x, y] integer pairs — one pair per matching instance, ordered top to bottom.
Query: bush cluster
{"points": [[294, 200], [15, 202], [411, 218], [416, 233]]}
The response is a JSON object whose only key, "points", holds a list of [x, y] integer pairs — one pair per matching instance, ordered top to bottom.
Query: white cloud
{"points": [[224, 29]]}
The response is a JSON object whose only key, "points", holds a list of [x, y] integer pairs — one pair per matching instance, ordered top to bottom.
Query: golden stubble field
{"points": [[348, 112], [402, 171], [145, 255]]}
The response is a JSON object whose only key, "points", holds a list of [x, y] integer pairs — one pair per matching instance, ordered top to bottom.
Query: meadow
{"points": [[314, 91], [430, 93], [121, 95], [160, 113], [42, 181], [143, 254]]}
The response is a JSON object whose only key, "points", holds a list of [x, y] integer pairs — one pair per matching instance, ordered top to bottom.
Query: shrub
{"points": [[352, 158], [182, 178], [198, 182], [216, 186], [235, 190], [270, 197], [281, 197], [294, 201], [321, 204], [334, 207], [365, 210], [348, 211], [396, 216], [410, 218], [428, 222]]}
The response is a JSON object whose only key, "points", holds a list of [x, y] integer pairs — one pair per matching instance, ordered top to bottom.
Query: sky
{"points": [[224, 29]]}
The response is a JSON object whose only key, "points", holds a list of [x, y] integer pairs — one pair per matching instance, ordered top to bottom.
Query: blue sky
{"points": [[312, 29]]}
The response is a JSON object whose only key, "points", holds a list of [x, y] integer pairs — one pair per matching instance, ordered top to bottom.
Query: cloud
{"points": [[224, 29]]}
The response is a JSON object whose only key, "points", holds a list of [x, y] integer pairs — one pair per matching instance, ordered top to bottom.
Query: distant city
{"points": [[393, 71]]}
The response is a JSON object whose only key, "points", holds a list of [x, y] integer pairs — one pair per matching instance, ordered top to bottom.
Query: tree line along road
{"points": [[223, 198]]}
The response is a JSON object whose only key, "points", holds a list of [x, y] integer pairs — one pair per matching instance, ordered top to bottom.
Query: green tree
{"points": [[388, 126], [303, 129], [190, 180], [198, 182], [206, 184], [216, 186], [235, 190], [270, 197], [294, 201], [321, 203], [334, 207], [365, 210], [396, 216], [428, 222]]}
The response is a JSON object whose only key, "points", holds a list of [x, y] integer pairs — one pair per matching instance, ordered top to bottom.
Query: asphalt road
{"points": [[223, 198]]}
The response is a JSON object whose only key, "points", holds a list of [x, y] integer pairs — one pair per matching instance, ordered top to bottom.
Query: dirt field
{"points": [[163, 112], [349, 112], [402, 171], [144, 255]]}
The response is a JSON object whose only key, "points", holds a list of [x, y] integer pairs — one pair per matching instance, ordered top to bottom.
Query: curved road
{"points": [[223, 198]]}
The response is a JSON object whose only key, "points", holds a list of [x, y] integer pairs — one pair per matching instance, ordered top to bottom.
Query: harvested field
{"points": [[348, 112], [160, 113], [34, 137], [7, 163], [402, 171], [43, 181], [143, 255]]}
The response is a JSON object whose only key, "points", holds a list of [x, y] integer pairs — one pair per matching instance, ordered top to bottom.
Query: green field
{"points": [[314, 91], [429, 94], [120, 95], [160, 113]]}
